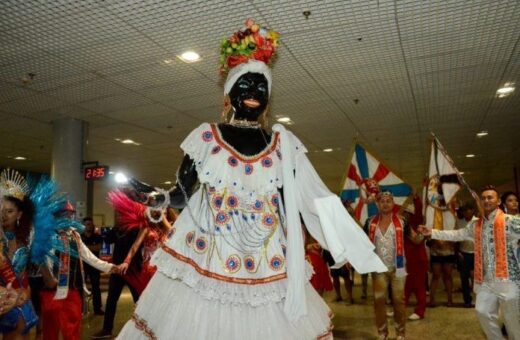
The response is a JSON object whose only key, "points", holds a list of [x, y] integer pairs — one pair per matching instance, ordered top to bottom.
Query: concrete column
{"points": [[69, 141]]}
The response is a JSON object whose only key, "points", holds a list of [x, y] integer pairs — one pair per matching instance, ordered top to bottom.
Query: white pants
{"points": [[491, 296]]}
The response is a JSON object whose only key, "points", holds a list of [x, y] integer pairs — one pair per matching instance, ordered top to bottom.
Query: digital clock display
{"points": [[96, 172]]}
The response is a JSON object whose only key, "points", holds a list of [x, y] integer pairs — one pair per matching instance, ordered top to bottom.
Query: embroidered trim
{"points": [[207, 136], [246, 159], [499, 237], [201, 245], [276, 262], [249, 263], [233, 264], [216, 276], [142, 325], [328, 333]]}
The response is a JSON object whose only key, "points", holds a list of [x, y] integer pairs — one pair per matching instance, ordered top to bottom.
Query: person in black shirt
{"points": [[93, 241], [123, 241]]}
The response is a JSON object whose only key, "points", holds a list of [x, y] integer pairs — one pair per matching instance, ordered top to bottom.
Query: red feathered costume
{"points": [[130, 215]]}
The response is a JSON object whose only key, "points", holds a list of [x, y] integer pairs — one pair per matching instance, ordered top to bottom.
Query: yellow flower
{"points": [[274, 36]]}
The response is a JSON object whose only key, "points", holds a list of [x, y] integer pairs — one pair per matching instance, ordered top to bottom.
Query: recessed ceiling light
{"points": [[189, 57], [168, 61], [506, 90], [284, 119], [482, 133], [129, 141], [327, 150], [470, 155], [20, 158], [121, 178], [168, 182]]}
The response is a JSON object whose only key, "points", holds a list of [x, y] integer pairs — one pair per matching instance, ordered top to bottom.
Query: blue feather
{"points": [[47, 205]]}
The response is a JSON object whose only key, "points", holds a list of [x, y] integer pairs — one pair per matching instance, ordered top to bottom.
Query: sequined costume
{"points": [[13, 270], [223, 274]]}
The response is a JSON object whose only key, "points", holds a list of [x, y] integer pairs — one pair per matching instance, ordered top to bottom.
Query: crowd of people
{"points": [[390, 231]]}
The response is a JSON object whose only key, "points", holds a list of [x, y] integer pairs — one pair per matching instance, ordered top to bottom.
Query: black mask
{"points": [[249, 96]]}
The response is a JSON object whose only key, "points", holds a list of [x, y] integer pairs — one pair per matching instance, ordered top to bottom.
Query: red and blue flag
{"points": [[366, 177]]}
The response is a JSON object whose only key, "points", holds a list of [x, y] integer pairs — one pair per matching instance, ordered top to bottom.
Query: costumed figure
{"points": [[388, 232], [152, 234], [59, 251], [14, 254], [235, 266], [497, 272], [320, 280]]}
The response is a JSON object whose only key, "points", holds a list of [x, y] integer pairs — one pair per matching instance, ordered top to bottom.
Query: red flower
{"points": [[259, 40], [263, 55], [234, 60]]}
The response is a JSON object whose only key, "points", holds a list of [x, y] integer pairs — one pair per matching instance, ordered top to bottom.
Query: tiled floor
{"points": [[356, 321]]}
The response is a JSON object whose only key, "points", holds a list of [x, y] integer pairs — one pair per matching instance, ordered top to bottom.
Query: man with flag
{"points": [[497, 272]]}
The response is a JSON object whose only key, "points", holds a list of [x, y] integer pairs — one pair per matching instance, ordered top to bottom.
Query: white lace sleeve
{"points": [[466, 233]]}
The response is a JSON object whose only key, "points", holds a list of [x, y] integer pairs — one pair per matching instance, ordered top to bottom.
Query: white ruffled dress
{"points": [[223, 274]]}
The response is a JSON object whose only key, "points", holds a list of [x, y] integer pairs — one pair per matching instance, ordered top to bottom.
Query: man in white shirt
{"points": [[497, 273]]}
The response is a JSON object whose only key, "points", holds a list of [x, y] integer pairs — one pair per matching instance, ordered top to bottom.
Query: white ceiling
{"points": [[414, 66]]}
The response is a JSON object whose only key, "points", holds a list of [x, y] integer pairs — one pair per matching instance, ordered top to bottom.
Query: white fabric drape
{"points": [[325, 218]]}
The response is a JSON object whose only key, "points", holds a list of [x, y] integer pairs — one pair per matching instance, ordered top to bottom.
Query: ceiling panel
{"points": [[385, 72]]}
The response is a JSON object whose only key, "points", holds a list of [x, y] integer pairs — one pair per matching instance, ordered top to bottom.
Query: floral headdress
{"points": [[249, 50], [13, 184]]}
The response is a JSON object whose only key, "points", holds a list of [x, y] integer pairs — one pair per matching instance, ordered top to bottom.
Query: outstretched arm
{"points": [[148, 195], [449, 235], [133, 250], [87, 256]]}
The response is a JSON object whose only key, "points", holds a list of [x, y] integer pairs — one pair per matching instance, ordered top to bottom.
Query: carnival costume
{"points": [[132, 215], [389, 246], [58, 249], [235, 266], [13, 269], [497, 272]]}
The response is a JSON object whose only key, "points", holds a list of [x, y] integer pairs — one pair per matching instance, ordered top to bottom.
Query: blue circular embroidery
{"points": [[207, 136], [216, 150], [232, 161], [267, 162], [275, 200], [232, 202], [258, 205], [222, 218], [268, 220], [201, 244], [276, 262], [233, 263], [249, 263]]}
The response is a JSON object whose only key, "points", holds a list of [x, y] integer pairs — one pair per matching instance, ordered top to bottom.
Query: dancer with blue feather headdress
{"points": [[59, 252]]}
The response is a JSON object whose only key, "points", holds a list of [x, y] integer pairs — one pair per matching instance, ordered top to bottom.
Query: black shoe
{"points": [[468, 305], [99, 312], [102, 334]]}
